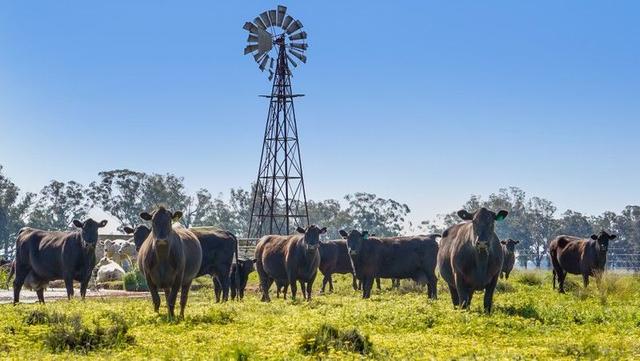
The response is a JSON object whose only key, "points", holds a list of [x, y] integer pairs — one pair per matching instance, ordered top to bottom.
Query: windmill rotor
{"points": [[272, 32]]}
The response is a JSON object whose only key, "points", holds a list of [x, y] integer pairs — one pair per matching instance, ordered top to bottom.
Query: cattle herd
{"points": [[469, 256]]}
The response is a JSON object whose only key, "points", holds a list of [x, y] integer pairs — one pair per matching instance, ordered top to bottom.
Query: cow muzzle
{"points": [[162, 242], [312, 247]]}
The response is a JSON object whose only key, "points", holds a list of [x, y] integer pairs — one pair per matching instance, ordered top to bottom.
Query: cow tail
{"points": [[236, 259], [554, 278]]}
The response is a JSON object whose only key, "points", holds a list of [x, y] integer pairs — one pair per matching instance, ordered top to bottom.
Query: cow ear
{"points": [[465, 215], [501, 215], [146, 216], [176, 216], [77, 223], [103, 223], [127, 230], [300, 230], [323, 230], [343, 233], [613, 236], [594, 237], [503, 242], [516, 242]]}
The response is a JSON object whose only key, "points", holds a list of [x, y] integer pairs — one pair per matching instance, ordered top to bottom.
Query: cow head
{"points": [[161, 221], [483, 225], [89, 231], [140, 233], [312, 236], [354, 240], [603, 240], [510, 244], [244, 267]]}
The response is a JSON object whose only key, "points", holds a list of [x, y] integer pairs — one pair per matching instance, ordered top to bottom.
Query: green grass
{"points": [[529, 321]]}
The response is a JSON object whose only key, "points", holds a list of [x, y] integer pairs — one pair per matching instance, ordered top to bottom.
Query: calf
{"points": [[508, 248], [575, 255], [43, 256], [393, 257], [470, 257], [169, 258], [293, 258], [334, 258], [239, 276]]}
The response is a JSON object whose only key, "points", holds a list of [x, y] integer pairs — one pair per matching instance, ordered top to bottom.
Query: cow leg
{"points": [[553, 273], [501, 274], [21, 275], [506, 275], [561, 277], [585, 279], [325, 280], [354, 282], [68, 283], [224, 283], [378, 283], [265, 284], [330, 284], [367, 285], [293, 286], [303, 286], [432, 286], [310, 287], [83, 288], [216, 288], [285, 289], [233, 291], [40, 293], [184, 294], [464, 294], [488, 294], [454, 296], [155, 297], [171, 300]]}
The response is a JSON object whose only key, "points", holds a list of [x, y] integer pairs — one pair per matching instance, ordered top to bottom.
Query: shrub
{"points": [[530, 278], [134, 281], [504, 287], [39, 317], [214, 317], [73, 335], [328, 338]]}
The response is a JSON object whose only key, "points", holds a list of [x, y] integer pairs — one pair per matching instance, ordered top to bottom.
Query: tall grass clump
{"points": [[530, 278], [134, 281], [75, 336], [327, 338]]}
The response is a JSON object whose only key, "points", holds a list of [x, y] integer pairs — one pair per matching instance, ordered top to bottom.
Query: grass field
{"points": [[530, 321]]}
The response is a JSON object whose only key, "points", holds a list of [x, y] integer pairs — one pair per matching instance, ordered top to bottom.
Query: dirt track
{"points": [[52, 294]]}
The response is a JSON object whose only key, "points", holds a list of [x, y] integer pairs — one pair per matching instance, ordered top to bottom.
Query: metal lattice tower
{"points": [[279, 198]]}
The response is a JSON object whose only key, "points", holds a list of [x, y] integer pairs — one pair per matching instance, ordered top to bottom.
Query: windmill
{"points": [[279, 205]]}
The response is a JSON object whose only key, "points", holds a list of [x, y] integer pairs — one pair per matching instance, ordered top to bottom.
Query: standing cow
{"points": [[508, 248], [43, 256], [393, 257], [470, 257], [586, 257], [169, 258], [293, 258], [334, 258]]}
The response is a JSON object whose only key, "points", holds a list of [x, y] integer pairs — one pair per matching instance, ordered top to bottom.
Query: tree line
{"points": [[124, 193]]}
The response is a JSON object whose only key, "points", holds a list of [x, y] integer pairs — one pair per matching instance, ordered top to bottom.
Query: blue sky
{"points": [[424, 102]]}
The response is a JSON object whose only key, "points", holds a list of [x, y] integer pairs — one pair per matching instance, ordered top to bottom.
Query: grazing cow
{"points": [[508, 248], [219, 252], [575, 255], [43, 256], [393, 257], [470, 257], [169, 258], [293, 258], [334, 258], [239, 276]]}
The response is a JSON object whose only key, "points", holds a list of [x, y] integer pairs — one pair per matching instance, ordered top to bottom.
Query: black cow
{"points": [[43, 256], [393, 257], [470, 257], [334, 258], [240, 272]]}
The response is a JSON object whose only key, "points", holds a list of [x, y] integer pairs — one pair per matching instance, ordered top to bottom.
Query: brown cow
{"points": [[508, 248], [575, 255], [43, 256], [393, 257], [470, 257], [169, 258], [293, 258], [334, 258]]}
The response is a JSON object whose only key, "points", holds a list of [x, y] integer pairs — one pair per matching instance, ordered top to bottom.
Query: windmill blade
{"points": [[281, 12], [273, 17], [265, 18], [287, 21], [259, 23], [295, 26], [250, 27], [299, 36], [252, 38], [264, 41], [301, 46], [250, 48], [298, 55], [258, 56], [272, 62], [264, 63], [295, 65], [270, 75]]}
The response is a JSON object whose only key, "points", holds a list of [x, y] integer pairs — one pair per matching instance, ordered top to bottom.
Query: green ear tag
{"points": [[500, 217], [366, 236]]}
